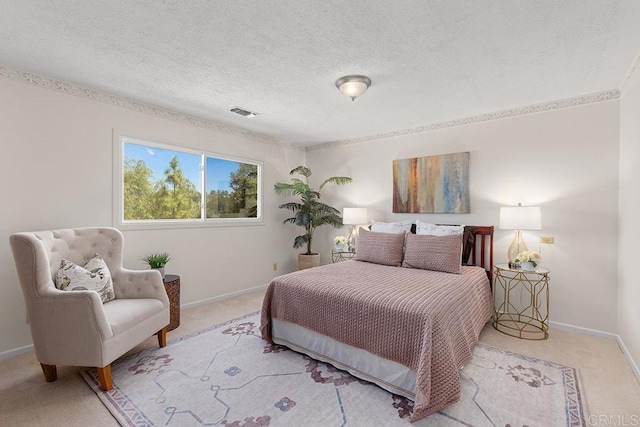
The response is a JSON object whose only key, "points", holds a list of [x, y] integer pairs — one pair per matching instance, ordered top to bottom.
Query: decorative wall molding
{"points": [[635, 65], [106, 98], [140, 107], [503, 114]]}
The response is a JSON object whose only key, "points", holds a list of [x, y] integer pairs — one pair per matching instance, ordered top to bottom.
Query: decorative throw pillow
{"points": [[391, 227], [425, 228], [380, 248], [437, 253], [94, 276]]}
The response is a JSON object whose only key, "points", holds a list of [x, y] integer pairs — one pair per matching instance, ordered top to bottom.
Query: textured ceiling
{"points": [[430, 61]]}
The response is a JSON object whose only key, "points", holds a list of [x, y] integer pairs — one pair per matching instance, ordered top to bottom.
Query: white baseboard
{"points": [[222, 297], [581, 330], [623, 348], [16, 352], [627, 355]]}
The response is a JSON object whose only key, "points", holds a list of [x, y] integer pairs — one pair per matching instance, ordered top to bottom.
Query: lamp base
{"points": [[351, 239], [516, 247]]}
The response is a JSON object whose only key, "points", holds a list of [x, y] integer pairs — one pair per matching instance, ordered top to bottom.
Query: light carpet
{"points": [[227, 375]]}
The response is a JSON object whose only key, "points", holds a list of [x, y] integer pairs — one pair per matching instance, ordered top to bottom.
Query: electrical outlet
{"points": [[547, 239], [275, 266]]}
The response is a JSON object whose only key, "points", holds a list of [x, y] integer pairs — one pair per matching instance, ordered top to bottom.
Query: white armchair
{"points": [[75, 328]]}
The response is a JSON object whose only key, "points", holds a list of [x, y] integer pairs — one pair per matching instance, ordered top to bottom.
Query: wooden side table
{"points": [[338, 256], [172, 286], [524, 309]]}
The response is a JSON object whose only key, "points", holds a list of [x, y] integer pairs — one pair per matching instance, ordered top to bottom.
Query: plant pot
{"points": [[308, 261], [527, 266], [161, 270]]}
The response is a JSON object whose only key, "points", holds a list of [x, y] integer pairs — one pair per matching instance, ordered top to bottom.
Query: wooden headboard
{"points": [[483, 245], [482, 252]]}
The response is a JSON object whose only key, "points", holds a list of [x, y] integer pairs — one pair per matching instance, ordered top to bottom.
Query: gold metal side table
{"points": [[338, 256], [522, 301]]}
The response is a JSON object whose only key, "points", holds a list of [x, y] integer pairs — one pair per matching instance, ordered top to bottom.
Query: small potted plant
{"points": [[157, 261]]}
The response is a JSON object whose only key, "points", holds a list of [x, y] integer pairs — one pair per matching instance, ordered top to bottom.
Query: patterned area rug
{"points": [[226, 375]]}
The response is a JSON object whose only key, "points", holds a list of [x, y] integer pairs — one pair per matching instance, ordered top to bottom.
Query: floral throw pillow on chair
{"points": [[94, 276]]}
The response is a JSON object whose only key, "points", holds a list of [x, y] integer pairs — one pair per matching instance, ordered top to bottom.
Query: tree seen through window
{"points": [[163, 184]]}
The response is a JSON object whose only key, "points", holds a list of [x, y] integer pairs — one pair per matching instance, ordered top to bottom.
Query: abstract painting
{"points": [[433, 184]]}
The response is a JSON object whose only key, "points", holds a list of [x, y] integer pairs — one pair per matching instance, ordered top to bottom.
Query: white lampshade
{"points": [[354, 216], [520, 218]]}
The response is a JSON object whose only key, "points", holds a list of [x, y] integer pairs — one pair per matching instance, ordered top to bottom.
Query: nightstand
{"points": [[338, 256], [172, 286], [522, 300]]}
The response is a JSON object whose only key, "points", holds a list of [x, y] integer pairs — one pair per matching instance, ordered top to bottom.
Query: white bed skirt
{"points": [[390, 375]]}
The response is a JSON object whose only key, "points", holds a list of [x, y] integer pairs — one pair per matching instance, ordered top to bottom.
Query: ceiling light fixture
{"points": [[353, 86]]}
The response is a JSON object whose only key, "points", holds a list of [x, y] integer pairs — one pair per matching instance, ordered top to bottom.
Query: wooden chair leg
{"points": [[162, 337], [50, 372], [104, 375]]}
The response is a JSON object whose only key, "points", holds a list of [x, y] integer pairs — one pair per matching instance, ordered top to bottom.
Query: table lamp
{"points": [[353, 217], [519, 218]]}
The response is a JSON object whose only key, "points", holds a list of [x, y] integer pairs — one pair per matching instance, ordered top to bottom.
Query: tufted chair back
{"points": [[78, 245]]}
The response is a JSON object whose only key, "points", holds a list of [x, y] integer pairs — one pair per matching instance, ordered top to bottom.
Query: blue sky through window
{"points": [[158, 159], [218, 171]]}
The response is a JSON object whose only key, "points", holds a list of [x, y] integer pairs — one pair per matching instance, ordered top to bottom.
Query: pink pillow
{"points": [[380, 248], [437, 253]]}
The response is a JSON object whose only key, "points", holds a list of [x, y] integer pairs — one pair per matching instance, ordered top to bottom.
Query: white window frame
{"points": [[119, 140]]}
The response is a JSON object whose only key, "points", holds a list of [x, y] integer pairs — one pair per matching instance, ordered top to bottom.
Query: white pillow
{"points": [[392, 227], [425, 228], [94, 276]]}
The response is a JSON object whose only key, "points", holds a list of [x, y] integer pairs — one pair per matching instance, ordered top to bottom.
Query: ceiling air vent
{"points": [[243, 112]]}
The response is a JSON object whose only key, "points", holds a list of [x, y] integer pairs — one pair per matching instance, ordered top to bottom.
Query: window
{"points": [[167, 186]]}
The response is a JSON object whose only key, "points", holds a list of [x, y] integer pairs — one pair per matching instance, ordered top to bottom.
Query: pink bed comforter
{"points": [[426, 320]]}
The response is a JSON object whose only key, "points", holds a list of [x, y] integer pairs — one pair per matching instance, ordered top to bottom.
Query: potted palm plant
{"points": [[309, 212]]}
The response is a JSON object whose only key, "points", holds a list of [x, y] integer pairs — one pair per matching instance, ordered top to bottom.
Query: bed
{"points": [[408, 330]]}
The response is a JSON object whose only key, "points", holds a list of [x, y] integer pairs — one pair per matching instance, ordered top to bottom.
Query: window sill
{"points": [[177, 224]]}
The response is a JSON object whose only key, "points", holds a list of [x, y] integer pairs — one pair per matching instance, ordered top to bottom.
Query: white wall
{"points": [[565, 161], [57, 173], [629, 219]]}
